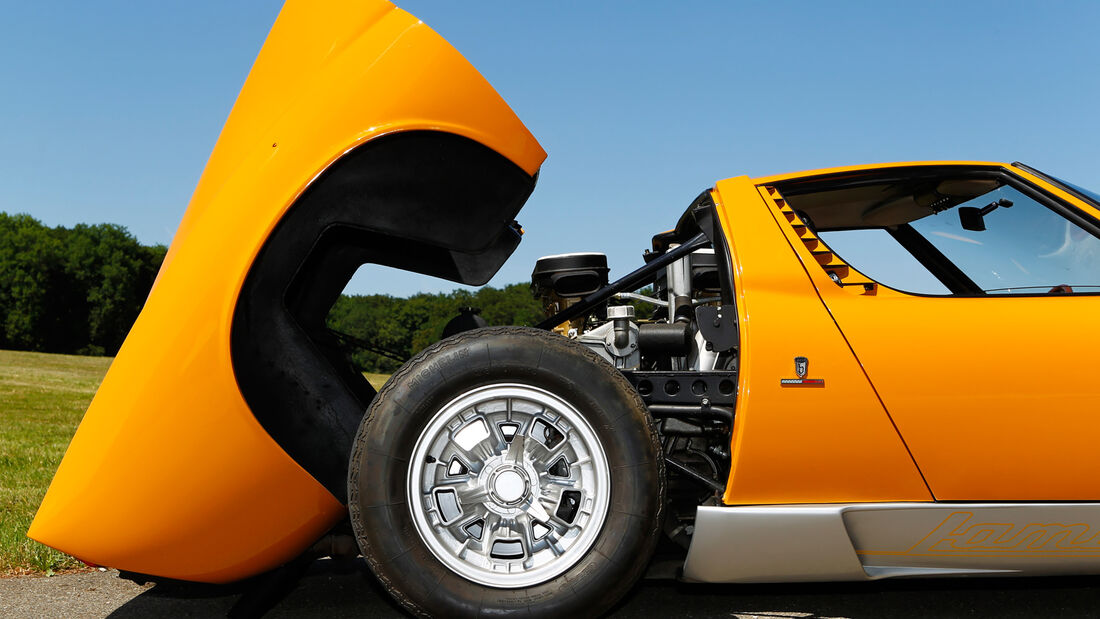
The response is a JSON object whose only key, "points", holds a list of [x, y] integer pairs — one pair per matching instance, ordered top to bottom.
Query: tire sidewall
{"points": [[378, 488]]}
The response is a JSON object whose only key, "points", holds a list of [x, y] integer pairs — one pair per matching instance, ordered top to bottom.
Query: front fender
{"points": [[215, 448]]}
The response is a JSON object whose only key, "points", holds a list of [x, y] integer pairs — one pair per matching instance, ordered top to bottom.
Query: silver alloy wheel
{"points": [[508, 485]]}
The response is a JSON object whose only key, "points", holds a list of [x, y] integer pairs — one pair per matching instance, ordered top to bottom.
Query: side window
{"points": [[970, 234], [878, 256]]}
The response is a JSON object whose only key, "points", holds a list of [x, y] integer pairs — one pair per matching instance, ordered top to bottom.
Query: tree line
{"points": [[71, 290], [78, 290], [406, 326]]}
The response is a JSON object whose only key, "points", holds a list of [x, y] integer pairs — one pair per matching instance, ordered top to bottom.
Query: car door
{"points": [[995, 390]]}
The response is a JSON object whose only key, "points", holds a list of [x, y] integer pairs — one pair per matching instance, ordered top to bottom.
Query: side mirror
{"points": [[972, 218]]}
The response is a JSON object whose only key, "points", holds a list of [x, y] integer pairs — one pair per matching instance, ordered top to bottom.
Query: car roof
{"points": [[775, 178]]}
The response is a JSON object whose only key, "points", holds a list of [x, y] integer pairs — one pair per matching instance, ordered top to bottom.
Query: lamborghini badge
{"points": [[801, 368]]}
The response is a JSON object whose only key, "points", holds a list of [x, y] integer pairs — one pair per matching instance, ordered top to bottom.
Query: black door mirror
{"points": [[972, 218]]}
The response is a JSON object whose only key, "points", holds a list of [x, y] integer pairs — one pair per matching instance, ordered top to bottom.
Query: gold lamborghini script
{"points": [[957, 534]]}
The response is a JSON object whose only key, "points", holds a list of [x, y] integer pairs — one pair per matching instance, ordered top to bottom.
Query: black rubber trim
{"points": [[1059, 183], [423, 201], [709, 218]]}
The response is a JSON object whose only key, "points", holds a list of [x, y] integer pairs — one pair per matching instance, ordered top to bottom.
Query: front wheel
{"points": [[507, 470]]}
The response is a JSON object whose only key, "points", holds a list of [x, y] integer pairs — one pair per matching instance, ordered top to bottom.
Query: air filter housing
{"points": [[561, 280]]}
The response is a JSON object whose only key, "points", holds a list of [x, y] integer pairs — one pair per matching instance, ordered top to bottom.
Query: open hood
{"points": [[217, 446]]}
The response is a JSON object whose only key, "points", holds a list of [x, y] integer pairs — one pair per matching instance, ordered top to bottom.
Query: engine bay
{"points": [[670, 327]]}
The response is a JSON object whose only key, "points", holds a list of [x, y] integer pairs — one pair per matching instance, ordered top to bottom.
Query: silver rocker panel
{"points": [[869, 541]]}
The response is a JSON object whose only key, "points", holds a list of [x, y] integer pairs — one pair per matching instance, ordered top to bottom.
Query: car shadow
{"points": [[329, 589], [332, 591], [941, 598]]}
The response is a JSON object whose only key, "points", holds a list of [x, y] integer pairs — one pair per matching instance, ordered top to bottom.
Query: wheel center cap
{"points": [[509, 486]]}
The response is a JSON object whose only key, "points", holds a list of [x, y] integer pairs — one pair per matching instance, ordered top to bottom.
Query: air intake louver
{"points": [[838, 270]]}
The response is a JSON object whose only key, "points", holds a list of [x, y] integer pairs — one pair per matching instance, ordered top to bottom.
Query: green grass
{"points": [[376, 380], [42, 398]]}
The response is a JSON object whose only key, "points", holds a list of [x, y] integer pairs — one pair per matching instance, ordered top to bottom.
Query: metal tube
{"points": [[678, 275], [642, 297], [721, 413], [695, 432], [699, 477]]}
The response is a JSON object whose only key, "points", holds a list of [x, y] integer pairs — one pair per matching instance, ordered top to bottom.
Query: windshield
{"points": [[1024, 247]]}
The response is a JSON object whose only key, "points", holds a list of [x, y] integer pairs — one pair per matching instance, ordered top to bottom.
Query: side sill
{"points": [[871, 541]]}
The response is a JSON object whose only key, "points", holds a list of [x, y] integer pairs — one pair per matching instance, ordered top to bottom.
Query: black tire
{"points": [[378, 475]]}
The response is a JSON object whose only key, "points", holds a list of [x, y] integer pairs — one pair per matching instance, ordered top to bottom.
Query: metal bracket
{"points": [[718, 324]]}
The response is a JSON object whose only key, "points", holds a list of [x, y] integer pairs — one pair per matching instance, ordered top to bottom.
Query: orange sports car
{"points": [[845, 374]]}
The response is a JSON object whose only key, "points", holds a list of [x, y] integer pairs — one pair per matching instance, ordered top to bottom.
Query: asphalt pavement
{"points": [[333, 592]]}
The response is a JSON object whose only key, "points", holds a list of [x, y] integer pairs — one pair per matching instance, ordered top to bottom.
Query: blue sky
{"points": [[108, 110]]}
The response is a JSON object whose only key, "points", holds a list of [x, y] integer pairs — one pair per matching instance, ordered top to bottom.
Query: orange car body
{"points": [[927, 397], [171, 474]]}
